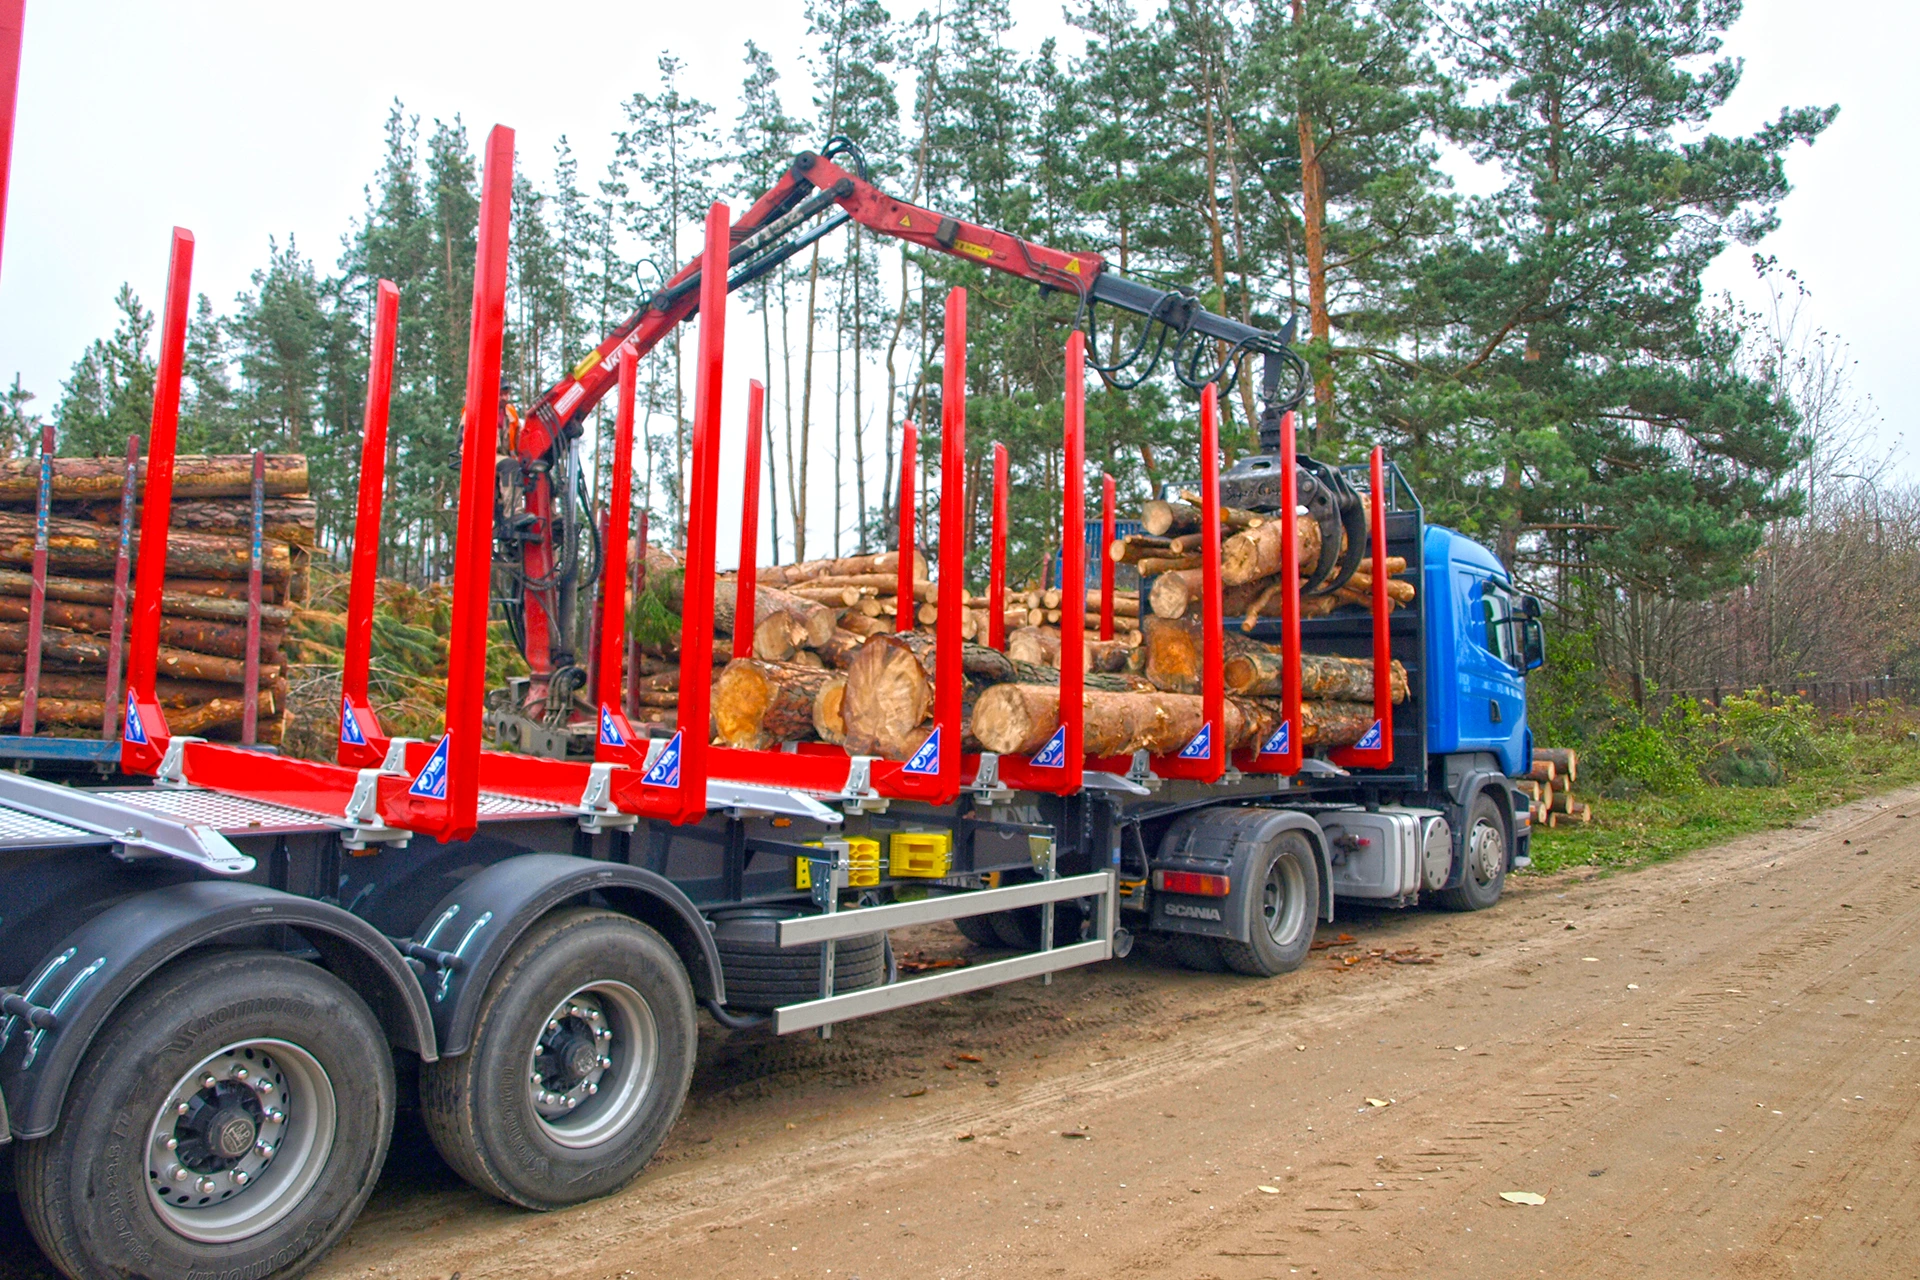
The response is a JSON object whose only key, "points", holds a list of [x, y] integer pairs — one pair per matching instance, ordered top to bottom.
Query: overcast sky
{"points": [[244, 120]]}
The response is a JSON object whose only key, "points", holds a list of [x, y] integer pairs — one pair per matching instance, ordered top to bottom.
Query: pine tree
{"points": [[109, 394]]}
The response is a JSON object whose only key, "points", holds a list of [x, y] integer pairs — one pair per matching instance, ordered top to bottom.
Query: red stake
{"points": [[13, 16], [953, 551], [997, 555], [1106, 556], [1073, 568], [903, 572], [613, 577], [746, 586], [37, 603], [117, 629], [633, 641], [250, 682], [143, 737], [363, 744], [1292, 752], [1379, 753], [1206, 761], [450, 789]]}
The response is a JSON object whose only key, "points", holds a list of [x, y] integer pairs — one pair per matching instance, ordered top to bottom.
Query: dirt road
{"points": [[1710, 1068]]}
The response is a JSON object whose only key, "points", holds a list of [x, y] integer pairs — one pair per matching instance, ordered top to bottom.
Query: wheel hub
{"points": [[1489, 852], [571, 1056], [592, 1063], [218, 1162]]}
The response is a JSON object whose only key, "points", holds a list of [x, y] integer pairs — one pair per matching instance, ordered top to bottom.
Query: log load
{"points": [[194, 476], [290, 520], [83, 548], [176, 601], [814, 619], [1258, 671], [758, 704], [1018, 719], [1562, 760]]}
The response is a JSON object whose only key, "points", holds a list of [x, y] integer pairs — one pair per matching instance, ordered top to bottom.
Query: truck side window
{"points": [[1496, 612]]}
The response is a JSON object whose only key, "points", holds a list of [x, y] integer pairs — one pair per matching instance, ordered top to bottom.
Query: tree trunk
{"points": [[194, 476], [88, 548], [1258, 671], [758, 704]]}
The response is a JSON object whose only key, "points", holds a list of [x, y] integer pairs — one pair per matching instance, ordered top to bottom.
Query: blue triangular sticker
{"points": [[350, 725], [135, 732], [610, 735], [1279, 740], [1370, 740], [1202, 745], [1054, 754], [927, 759], [666, 770], [432, 782]]}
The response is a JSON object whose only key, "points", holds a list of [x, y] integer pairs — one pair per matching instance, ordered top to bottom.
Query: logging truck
{"points": [[223, 970]]}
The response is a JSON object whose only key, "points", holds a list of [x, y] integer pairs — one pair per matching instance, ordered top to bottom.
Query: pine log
{"points": [[194, 476], [1231, 517], [1165, 519], [291, 520], [83, 547], [1135, 547], [1261, 552], [886, 562], [1154, 565], [1175, 595], [844, 597], [178, 604], [1126, 604], [816, 619], [862, 623], [777, 636], [228, 639], [1038, 645], [840, 647], [75, 649], [808, 658], [1258, 671], [664, 680], [171, 693], [656, 698], [758, 704], [829, 709], [194, 719], [1018, 719], [1564, 759]]}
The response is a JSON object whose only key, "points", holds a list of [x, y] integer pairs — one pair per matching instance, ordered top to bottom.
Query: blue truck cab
{"points": [[1482, 639]]}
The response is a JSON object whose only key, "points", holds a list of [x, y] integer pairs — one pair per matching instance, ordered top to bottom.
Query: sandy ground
{"points": [[1709, 1068]]}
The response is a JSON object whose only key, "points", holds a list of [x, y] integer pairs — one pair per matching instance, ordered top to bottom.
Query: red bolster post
{"points": [[953, 549], [997, 556], [1106, 556], [122, 566], [1073, 567], [903, 570], [613, 577], [746, 586], [37, 601], [250, 679], [1213, 688], [357, 718], [143, 737], [1379, 754], [1290, 759]]}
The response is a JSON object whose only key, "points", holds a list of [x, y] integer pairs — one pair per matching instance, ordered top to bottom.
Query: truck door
{"points": [[1493, 694]]}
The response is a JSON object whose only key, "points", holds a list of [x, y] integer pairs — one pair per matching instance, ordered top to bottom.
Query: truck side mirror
{"points": [[1529, 606], [1533, 646]]}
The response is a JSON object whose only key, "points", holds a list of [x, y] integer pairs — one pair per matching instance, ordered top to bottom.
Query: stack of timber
{"points": [[204, 609], [1549, 783]]}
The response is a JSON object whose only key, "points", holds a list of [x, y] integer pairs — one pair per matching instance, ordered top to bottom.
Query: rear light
{"points": [[1199, 884]]}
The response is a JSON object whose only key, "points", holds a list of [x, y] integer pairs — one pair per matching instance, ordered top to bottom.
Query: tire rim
{"points": [[1487, 852], [1283, 901], [592, 1064], [240, 1140]]}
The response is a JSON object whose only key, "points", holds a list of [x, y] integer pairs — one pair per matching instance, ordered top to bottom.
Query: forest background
{"points": [[1490, 219]]}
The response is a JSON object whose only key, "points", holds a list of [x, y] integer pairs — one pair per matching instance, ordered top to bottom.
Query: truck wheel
{"points": [[1485, 875], [1282, 910], [1020, 928], [979, 930], [1197, 952], [762, 975], [580, 1062], [230, 1119]]}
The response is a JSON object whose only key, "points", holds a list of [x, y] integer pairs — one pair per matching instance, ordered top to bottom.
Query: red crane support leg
{"points": [[997, 556], [903, 571], [746, 585], [615, 733], [143, 737], [363, 744], [444, 798]]}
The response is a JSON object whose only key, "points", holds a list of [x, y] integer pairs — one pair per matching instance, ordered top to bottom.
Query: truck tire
{"points": [[1484, 876], [1282, 910], [1020, 928], [979, 930], [762, 975], [581, 1056], [269, 1163]]}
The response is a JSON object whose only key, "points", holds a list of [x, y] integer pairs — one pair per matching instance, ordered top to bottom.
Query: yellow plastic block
{"points": [[926, 854], [863, 871]]}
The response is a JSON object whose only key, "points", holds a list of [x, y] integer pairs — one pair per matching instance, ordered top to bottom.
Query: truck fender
{"points": [[1224, 841], [478, 923], [102, 962]]}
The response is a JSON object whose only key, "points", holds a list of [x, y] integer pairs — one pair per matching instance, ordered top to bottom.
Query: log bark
{"points": [[194, 476], [1230, 517], [1166, 519], [290, 520], [83, 547], [1136, 547], [1258, 553], [1175, 595], [175, 603], [1126, 604], [817, 619], [777, 637], [227, 639], [1038, 645], [840, 647], [76, 649], [1258, 671], [171, 693], [758, 704], [195, 719], [1018, 719], [1565, 761]]}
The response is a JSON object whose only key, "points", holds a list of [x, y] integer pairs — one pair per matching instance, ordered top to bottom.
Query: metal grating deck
{"points": [[231, 815], [18, 829]]}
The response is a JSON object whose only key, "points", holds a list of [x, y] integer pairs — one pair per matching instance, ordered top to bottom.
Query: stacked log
{"points": [[204, 608], [1549, 785]]}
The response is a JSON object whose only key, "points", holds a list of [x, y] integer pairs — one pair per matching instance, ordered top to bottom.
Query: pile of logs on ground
{"points": [[204, 609], [1550, 784]]}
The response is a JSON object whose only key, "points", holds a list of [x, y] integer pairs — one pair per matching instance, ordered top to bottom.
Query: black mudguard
{"points": [[1223, 841]]}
